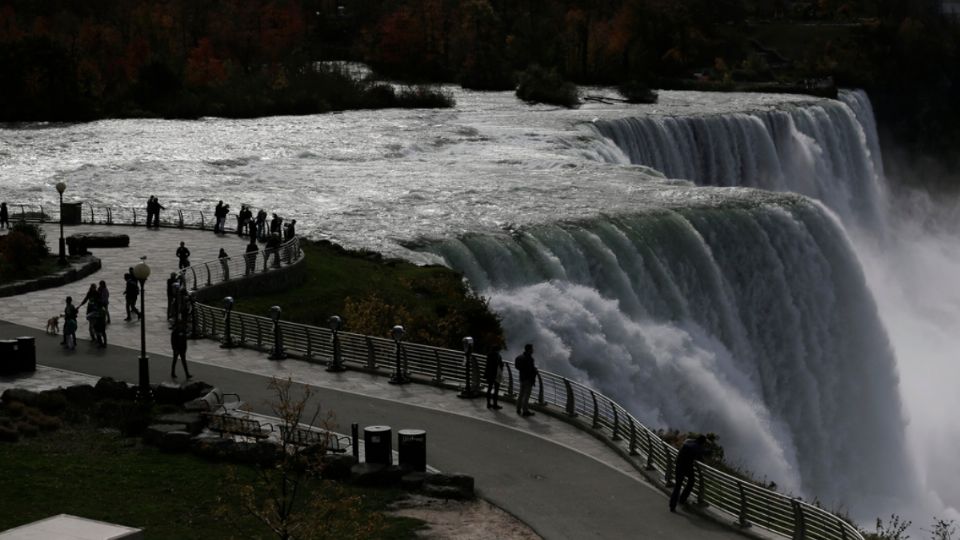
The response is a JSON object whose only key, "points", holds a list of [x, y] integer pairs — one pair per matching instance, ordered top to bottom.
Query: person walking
{"points": [[157, 207], [149, 211], [218, 214], [4, 216], [261, 224], [289, 231], [183, 255], [250, 256], [224, 263], [172, 286], [130, 293], [104, 299], [92, 300], [99, 324], [70, 325], [178, 342], [527, 370], [493, 373], [692, 451]]}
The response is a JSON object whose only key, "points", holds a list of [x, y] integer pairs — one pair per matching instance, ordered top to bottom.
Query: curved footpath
{"points": [[557, 479]]}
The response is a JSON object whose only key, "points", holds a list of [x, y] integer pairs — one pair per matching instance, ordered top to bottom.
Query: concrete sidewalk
{"points": [[561, 481]]}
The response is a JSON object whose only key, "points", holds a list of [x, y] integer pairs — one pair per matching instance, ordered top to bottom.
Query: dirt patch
{"points": [[464, 520]]}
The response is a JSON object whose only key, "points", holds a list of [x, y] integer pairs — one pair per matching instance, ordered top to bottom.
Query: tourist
{"points": [[149, 211], [219, 215], [4, 216], [262, 224], [275, 224], [290, 230], [273, 248], [183, 255], [250, 256], [224, 263], [172, 286], [130, 293], [92, 299], [104, 299], [99, 323], [70, 325], [178, 342], [527, 370], [493, 375], [693, 450]]}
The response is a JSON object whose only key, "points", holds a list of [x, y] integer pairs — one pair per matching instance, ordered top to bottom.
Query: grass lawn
{"points": [[373, 294], [100, 475]]}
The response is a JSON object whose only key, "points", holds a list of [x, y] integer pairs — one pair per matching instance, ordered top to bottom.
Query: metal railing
{"points": [[182, 218], [209, 273], [747, 503]]}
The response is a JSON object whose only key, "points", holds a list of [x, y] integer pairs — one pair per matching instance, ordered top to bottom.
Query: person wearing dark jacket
{"points": [[4, 216], [183, 255], [250, 255], [130, 293], [178, 342], [527, 370], [493, 373], [692, 451]]}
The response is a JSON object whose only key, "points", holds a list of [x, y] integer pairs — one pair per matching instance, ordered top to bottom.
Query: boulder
{"points": [[108, 388], [195, 390], [167, 393], [82, 395], [27, 397], [52, 402], [193, 422], [155, 432], [174, 441], [212, 447], [263, 453], [336, 466], [375, 475], [413, 481], [449, 486], [447, 492]]}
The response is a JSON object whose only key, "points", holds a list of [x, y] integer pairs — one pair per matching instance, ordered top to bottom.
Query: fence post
{"points": [[180, 214], [42, 216], [109, 216], [134, 217], [92, 220], [203, 224], [194, 271], [209, 281], [243, 331], [259, 334], [309, 344], [371, 354], [438, 375], [509, 381], [540, 400], [571, 404], [596, 410], [616, 424], [633, 437], [649, 465], [667, 472], [701, 493], [742, 520], [799, 528], [843, 530]]}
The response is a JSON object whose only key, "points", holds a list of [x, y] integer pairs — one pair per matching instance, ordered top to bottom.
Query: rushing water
{"points": [[699, 302]]}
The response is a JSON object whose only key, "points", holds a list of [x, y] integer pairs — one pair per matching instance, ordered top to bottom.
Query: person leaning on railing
{"points": [[250, 257]]}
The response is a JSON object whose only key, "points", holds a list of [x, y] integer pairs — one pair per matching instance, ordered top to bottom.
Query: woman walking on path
{"points": [[92, 299], [104, 299], [99, 324], [70, 325], [178, 342], [493, 374]]}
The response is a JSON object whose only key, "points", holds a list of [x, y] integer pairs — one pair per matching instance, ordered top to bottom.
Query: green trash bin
{"points": [[71, 213]]}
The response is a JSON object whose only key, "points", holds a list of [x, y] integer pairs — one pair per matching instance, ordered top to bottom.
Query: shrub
{"points": [[538, 85], [637, 92], [424, 97]]}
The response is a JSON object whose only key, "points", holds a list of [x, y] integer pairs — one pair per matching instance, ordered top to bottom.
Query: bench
{"points": [[215, 400], [237, 425], [309, 437]]}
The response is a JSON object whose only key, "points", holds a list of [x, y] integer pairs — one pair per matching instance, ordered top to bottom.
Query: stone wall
{"points": [[80, 267], [275, 280]]}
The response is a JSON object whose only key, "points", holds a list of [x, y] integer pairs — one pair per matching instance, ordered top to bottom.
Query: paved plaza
{"points": [[561, 481]]}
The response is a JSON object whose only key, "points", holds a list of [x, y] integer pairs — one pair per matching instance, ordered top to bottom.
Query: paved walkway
{"points": [[559, 480]]}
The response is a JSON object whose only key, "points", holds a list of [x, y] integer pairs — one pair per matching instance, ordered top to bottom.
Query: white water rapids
{"points": [[742, 311]]}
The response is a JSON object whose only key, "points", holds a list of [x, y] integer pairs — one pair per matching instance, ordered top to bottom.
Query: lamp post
{"points": [[62, 261], [141, 272], [227, 338], [278, 353], [337, 365], [400, 373], [468, 392]]}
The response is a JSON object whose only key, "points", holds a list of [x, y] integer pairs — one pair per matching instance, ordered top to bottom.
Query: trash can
{"points": [[71, 213], [26, 354], [8, 357], [378, 444], [412, 447]]}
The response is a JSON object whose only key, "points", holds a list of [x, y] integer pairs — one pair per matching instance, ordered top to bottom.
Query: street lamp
{"points": [[61, 187], [141, 272], [335, 323], [227, 338], [278, 353], [400, 373], [468, 392]]}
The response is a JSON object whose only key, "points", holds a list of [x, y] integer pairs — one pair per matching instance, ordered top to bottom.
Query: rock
{"points": [[108, 388], [195, 390], [168, 394], [82, 395], [27, 397], [52, 402], [192, 421], [155, 432], [174, 441], [212, 447], [263, 453], [336, 466], [375, 475], [413, 481], [449, 486], [447, 492]]}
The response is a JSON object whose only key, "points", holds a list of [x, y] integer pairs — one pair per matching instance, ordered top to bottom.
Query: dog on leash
{"points": [[53, 325]]}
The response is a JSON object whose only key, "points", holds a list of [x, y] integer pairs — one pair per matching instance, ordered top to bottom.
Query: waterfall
{"points": [[824, 149], [753, 321]]}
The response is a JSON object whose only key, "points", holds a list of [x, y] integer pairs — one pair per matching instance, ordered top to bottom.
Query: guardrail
{"points": [[182, 218], [209, 273], [748, 504]]}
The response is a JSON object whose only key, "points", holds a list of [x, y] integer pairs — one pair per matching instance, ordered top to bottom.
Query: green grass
{"points": [[372, 294], [100, 475]]}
